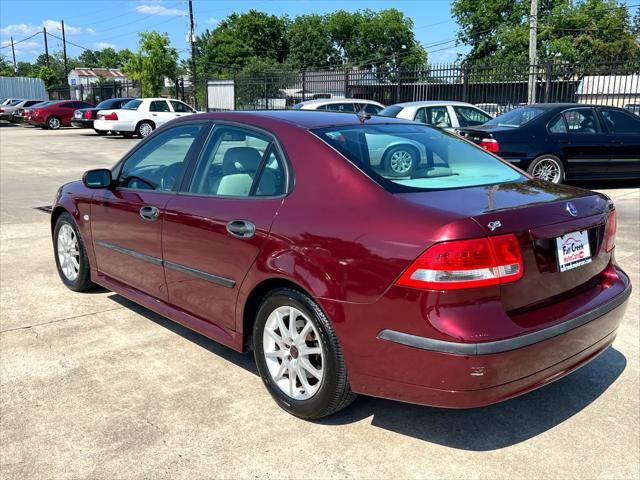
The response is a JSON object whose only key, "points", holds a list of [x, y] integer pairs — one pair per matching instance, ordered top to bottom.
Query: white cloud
{"points": [[158, 10], [213, 21], [54, 26], [20, 29], [101, 45], [23, 48], [444, 56]]}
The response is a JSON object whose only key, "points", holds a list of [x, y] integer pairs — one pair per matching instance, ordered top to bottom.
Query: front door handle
{"points": [[150, 213], [241, 228]]}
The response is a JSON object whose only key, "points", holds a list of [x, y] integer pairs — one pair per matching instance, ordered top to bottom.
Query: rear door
{"points": [[181, 109], [160, 112], [624, 141], [588, 149], [126, 220], [216, 225]]}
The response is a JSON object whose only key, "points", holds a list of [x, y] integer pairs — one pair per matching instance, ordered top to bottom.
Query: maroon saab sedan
{"points": [[352, 255]]}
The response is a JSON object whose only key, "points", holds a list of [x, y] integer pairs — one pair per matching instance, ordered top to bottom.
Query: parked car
{"points": [[9, 101], [344, 105], [633, 108], [493, 109], [6, 111], [56, 114], [441, 114], [22, 115], [141, 116], [84, 117], [558, 142], [390, 287]]}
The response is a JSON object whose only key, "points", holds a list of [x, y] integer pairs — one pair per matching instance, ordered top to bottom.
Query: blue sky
{"points": [[97, 24]]}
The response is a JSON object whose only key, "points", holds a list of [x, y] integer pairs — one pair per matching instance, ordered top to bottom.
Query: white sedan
{"points": [[447, 115], [141, 116]]}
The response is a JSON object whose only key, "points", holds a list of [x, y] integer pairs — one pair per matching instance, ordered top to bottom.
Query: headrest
{"points": [[241, 160]]}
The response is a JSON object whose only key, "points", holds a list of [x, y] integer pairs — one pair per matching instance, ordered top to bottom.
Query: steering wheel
{"points": [[170, 176]]}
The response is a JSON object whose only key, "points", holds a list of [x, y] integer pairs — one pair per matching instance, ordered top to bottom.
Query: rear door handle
{"points": [[150, 213], [241, 228]]}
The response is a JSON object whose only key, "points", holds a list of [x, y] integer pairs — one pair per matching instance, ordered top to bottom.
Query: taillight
{"points": [[1, 110], [87, 114], [111, 116], [490, 144], [611, 231], [458, 264]]}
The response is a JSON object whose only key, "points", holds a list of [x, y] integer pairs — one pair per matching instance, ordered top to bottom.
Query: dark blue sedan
{"points": [[565, 141]]}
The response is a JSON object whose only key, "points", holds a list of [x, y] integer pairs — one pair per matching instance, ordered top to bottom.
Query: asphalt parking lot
{"points": [[93, 386]]}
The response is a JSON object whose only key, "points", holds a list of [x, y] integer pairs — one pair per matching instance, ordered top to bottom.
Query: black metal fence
{"points": [[505, 85], [95, 92]]}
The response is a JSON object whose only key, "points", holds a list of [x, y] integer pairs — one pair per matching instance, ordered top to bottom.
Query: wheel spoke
{"points": [[75, 263], [281, 326], [305, 330], [293, 331], [279, 341], [306, 351], [274, 354], [304, 363], [281, 370], [292, 381], [304, 382]]}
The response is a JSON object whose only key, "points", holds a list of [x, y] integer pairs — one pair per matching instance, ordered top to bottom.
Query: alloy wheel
{"points": [[54, 123], [145, 130], [401, 161], [547, 169], [68, 252], [293, 353]]}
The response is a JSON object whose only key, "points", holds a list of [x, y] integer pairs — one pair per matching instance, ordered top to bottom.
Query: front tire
{"points": [[53, 123], [144, 129], [401, 160], [547, 167], [71, 255], [298, 356]]}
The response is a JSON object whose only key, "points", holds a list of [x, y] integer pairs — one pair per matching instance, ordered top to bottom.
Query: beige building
{"points": [[614, 90]]}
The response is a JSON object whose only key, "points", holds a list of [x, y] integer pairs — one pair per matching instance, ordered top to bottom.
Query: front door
{"points": [[160, 112], [587, 150], [126, 220], [215, 228]]}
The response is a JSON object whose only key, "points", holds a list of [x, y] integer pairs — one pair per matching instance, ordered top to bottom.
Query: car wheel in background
{"points": [[53, 123], [144, 129], [100, 132], [400, 160], [547, 167], [71, 255], [298, 356]]}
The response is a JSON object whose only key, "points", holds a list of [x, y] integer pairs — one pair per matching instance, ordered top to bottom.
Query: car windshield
{"points": [[109, 103], [132, 105], [391, 111], [516, 118], [407, 158]]}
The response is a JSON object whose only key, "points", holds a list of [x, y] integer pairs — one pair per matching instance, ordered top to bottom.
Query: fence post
{"points": [[304, 82], [465, 82], [346, 83], [399, 83], [176, 85], [547, 86], [182, 88], [235, 95], [266, 95]]}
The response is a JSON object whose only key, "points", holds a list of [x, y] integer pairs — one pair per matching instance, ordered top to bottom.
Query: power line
{"points": [[23, 40]]}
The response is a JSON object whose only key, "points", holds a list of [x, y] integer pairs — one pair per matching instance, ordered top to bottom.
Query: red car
{"points": [[54, 115], [352, 255]]}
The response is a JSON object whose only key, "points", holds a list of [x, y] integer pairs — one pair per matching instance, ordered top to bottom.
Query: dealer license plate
{"points": [[573, 250]]}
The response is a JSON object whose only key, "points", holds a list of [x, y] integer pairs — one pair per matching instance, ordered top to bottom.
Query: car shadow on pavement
{"points": [[605, 184], [240, 359], [499, 425], [478, 429]]}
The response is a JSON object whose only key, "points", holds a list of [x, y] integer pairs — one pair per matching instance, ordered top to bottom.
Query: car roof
{"points": [[330, 101], [429, 103], [306, 119]]}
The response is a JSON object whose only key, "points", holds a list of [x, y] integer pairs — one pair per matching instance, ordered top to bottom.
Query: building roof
{"points": [[98, 72], [609, 85], [331, 101]]}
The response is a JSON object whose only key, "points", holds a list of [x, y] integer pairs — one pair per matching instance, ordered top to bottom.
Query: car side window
{"points": [[68, 105], [159, 106], [180, 107], [341, 107], [372, 109], [436, 116], [469, 117], [582, 120], [620, 122], [557, 125], [158, 163], [230, 165]]}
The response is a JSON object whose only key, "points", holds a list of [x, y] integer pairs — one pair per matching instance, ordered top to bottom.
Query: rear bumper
{"points": [[82, 122], [114, 125], [439, 372]]}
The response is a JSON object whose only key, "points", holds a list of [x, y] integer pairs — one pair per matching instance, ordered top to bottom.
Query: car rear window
{"points": [[132, 105], [391, 111], [516, 118], [407, 158]]}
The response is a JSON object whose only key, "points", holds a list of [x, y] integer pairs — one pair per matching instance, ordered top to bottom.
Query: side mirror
{"points": [[98, 178]]}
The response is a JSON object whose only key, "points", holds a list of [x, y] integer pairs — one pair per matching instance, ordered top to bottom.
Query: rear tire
{"points": [[144, 129], [547, 167], [71, 255]]}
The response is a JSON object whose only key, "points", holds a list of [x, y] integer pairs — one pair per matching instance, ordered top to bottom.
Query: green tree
{"points": [[582, 31], [240, 38], [310, 42], [108, 58], [89, 59], [155, 60], [6, 68], [26, 69], [48, 76]]}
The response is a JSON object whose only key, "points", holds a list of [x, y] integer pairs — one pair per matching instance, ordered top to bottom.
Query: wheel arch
{"points": [[145, 120], [55, 214]]}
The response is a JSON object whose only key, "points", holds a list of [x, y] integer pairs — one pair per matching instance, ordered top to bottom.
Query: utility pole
{"points": [[192, 39], [46, 47], [64, 47], [13, 52], [533, 53]]}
